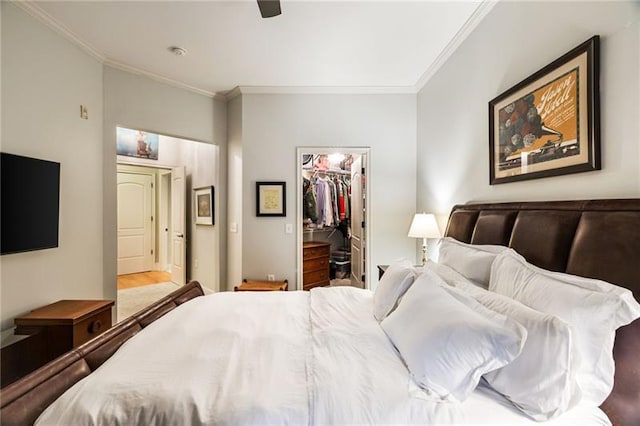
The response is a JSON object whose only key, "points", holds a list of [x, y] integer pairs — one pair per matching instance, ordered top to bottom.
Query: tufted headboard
{"points": [[594, 238]]}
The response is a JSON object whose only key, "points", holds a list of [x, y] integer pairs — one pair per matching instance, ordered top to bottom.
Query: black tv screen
{"points": [[30, 194]]}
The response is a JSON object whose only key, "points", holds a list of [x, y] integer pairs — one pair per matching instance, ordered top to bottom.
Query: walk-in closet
{"points": [[333, 219]]}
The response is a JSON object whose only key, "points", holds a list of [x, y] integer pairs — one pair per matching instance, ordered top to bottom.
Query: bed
{"points": [[316, 357]]}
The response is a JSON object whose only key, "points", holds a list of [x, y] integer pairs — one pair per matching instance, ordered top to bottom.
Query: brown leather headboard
{"points": [[595, 239]]}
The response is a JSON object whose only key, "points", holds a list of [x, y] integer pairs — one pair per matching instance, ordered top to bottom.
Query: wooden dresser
{"points": [[315, 268]]}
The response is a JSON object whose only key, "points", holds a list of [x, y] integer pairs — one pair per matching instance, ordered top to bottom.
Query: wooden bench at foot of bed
{"points": [[24, 400]]}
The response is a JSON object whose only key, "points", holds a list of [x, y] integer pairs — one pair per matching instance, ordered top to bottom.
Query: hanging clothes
{"points": [[331, 197], [343, 199], [322, 200], [309, 201]]}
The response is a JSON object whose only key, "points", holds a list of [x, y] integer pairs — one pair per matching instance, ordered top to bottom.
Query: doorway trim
{"points": [[367, 203], [164, 218]]}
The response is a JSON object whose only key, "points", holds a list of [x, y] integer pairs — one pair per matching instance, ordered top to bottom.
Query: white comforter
{"points": [[294, 358]]}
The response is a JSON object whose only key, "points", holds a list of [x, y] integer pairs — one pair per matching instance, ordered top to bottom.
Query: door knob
{"points": [[180, 235]]}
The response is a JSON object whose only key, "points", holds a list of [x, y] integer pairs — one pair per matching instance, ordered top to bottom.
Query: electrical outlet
{"points": [[271, 277]]}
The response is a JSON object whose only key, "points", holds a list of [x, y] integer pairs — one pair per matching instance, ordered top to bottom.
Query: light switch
{"points": [[233, 227], [288, 228]]}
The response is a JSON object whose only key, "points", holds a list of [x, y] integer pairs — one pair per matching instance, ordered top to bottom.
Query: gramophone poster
{"points": [[544, 126]]}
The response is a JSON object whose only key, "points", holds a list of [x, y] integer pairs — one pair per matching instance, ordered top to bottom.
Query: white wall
{"points": [[515, 40], [45, 79], [137, 102], [274, 125], [234, 208], [203, 246]]}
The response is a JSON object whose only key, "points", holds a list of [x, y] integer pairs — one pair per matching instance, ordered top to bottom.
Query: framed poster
{"points": [[548, 124], [137, 143], [271, 198], [204, 205]]}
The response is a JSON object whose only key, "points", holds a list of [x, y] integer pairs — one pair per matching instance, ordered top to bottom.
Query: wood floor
{"points": [[142, 278]]}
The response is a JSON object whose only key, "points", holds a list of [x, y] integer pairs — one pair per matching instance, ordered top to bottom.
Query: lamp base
{"points": [[424, 251]]}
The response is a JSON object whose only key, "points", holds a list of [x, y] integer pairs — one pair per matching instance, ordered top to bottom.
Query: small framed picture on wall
{"points": [[271, 199], [203, 200]]}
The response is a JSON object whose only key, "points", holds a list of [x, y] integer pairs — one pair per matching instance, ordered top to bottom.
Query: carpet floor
{"points": [[132, 300]]}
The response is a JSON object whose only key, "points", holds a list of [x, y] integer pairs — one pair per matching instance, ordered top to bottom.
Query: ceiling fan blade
{"points": [[269, 8]]}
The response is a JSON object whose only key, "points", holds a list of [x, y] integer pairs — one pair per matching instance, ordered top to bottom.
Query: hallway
{"points": [[143, 278]]}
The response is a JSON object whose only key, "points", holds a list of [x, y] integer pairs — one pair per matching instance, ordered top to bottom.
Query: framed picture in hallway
{"points": [[549, 123], [137, 143], [271, 198], [203, 199]]}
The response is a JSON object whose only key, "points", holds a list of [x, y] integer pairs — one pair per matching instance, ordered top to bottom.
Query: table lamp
{"points": [[424, 226]]}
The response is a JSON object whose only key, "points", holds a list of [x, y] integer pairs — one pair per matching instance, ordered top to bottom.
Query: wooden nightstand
{"points": [[381, 270], [251, 285], [67, 323], [52, 330]]}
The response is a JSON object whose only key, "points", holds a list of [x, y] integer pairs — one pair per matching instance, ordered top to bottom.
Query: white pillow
{"points": [[472, 261], [450, 276], [395, 281], [594, 309], [448, 340], [541, 382], [541, 393]]}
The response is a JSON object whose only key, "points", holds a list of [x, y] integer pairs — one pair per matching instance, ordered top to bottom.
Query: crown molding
{"points": [[34, 10], [474, 20], [162, 79], [319, 90], [233, 93]]}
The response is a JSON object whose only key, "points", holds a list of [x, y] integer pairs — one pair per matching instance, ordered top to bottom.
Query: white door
{"points": [[164, 220], [135, 223], [178, 226], [357, 231]]}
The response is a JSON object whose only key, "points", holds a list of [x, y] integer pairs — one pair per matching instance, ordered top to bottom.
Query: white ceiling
{"points": [[317, 45]]}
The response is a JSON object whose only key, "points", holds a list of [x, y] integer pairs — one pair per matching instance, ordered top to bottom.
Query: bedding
{"points": [[472, 261], [395, 281], [594, 309], [449, 340], [320, 357], [541, 393]]}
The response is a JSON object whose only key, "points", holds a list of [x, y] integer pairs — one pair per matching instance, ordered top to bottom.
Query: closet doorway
{"points": [[332, 213]]}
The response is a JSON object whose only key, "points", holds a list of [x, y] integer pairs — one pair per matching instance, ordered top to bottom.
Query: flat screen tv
{"points": [[30, 201]]}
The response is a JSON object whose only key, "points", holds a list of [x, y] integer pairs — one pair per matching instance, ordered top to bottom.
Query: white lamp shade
{"points": [[424, 226]]}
